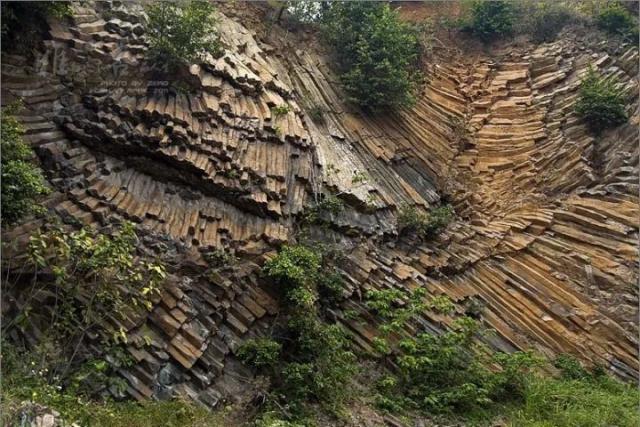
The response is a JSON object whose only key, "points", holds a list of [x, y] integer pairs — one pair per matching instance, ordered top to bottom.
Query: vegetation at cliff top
{"points": [[616, 19], [181, 32], [376, 53], [22, 181]]}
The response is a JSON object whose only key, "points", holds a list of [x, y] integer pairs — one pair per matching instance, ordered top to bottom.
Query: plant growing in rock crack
{"points": [[181, 33], [601, 102], [280, 110], [22, 181], [412, 220], [318, 362]]}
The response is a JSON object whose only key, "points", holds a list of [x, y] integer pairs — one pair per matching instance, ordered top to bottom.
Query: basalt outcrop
{"points": [[545, 238]]}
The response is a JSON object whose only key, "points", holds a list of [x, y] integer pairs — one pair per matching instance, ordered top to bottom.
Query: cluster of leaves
{"points": [[616, 19], [490, 20], [24, 23], [182, 33], [377, 53], [601, 102], [280, 110], [22, 181], [411, 219], [219, 257], [90, 279], [318, 364], [442, 372]]}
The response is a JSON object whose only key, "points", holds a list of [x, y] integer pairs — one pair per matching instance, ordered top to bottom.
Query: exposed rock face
{"points": [[547, 216]]}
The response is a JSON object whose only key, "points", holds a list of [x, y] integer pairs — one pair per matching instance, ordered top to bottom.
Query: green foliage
{"points": [[304, 11], [491, 19], [544, 19], [616, 19], [24, 23], [182, 32], [377, 53], [601, 102], [280, 110], [22, 181], [410, 219], [219, 257], [294, 267], [92, 279], [260, 352], [318, 363], [570, 368], [448, 372], [23, 381], [589, 402]]}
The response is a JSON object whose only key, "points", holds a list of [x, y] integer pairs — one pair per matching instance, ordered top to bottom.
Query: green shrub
{"points": [[491, 19], [615, 19], [181, 32], [377, 53], [601, 102], [22, 181], [412, 220], [294, 266], [260, 352], [318, 364], [570, 368]]}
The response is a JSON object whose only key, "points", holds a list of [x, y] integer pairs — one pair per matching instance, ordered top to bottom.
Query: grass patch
{"points": [[587, 402]]}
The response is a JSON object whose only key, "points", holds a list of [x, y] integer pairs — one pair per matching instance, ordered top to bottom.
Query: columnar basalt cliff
{"points": [[546, 229]]}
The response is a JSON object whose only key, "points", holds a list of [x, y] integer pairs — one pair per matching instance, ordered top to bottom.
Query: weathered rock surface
{"points": [[547, 216]]}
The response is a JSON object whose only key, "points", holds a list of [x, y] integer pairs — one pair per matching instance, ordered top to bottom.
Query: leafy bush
{"points": [[491, 19], [615, 19], [181, 33], [377, 53], [601, 102], [22, 181], [410, 219], [93, 280], [259, 353], [317, 363], [441, 372]]}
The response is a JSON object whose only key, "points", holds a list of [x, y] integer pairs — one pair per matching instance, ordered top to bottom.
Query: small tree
{"points": [[491, 19], [181, 32], [377, 53], [601, 102], [22, 181]]}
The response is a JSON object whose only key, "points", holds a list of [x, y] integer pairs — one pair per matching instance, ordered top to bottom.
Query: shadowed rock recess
{"points": [[546, 229]]}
